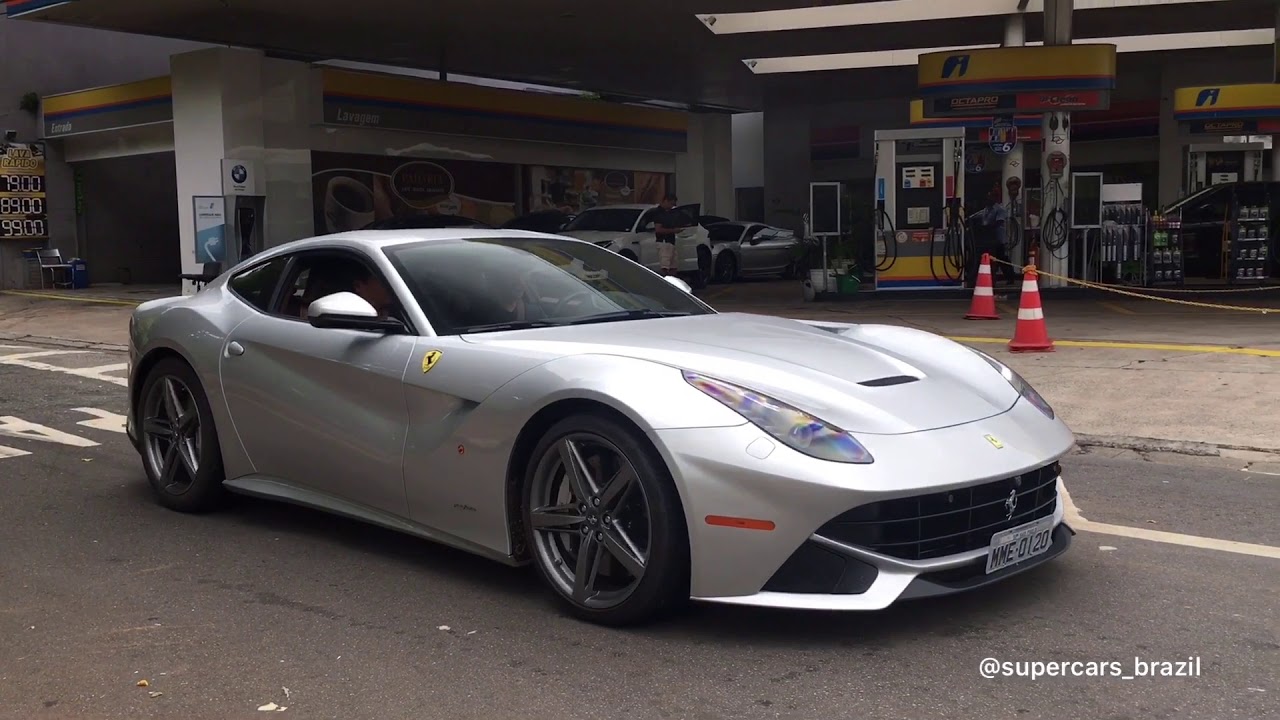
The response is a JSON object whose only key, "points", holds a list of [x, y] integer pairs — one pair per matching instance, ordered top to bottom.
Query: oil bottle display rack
{"points": [[1249, 248], [1123, 249], [1164, 255]]}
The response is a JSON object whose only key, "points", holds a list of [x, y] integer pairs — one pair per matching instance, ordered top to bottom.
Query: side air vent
{"points": [[891, 380]]}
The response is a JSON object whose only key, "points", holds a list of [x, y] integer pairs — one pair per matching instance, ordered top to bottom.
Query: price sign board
{"points": [[23, 212]]}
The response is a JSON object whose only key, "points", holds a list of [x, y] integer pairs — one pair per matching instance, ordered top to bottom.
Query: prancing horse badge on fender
{"points": [[430, 359], [995, 442]]}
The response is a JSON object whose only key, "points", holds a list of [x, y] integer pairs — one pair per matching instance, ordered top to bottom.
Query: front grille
{"points": [[921, 527]]}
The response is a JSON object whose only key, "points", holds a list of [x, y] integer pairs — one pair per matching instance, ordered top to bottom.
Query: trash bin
{"points": [[79, 274], [848, 284]]}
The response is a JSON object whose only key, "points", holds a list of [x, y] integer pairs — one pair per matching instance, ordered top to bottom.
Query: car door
{"points": [[647, 239], [688, 239], [770, 250], [320, 408]]}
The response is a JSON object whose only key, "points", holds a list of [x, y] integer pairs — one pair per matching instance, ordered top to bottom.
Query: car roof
{"points": [[634, 206]]}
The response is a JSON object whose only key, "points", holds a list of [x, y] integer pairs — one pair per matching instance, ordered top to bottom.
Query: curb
{"points": [[63, 342], [1179, 447]]}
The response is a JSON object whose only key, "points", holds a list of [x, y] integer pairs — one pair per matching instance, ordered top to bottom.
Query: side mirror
{"points": [[678, 283], [348, 311]]}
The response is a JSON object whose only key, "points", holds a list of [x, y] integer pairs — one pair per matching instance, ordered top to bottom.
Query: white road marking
{"points": [[27, 360], [103, 420], [18, 428], [10, 452], [1078, 522]]}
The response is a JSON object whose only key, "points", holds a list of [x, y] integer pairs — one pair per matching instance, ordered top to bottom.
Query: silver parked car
{"points": [[751, 250], [538, 399]]}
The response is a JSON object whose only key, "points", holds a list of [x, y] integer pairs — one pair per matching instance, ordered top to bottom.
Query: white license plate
{"points": [[1014, 545]]}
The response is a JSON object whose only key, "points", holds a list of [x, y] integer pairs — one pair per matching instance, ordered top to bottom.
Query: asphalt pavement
{"points": [[100, 588]]}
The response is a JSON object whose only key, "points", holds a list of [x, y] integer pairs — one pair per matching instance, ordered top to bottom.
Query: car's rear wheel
{"points": [[180, 449], [605, 522]]}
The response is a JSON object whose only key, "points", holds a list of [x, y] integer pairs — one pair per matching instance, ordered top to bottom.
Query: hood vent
{"points": [[891, 380]]}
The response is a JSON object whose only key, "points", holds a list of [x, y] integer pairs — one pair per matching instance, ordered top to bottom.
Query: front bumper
{"points": [[799, 495]]}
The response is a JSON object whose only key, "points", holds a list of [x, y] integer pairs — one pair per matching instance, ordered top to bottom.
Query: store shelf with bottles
{"points": [[1249, 250], [1165, 253]]}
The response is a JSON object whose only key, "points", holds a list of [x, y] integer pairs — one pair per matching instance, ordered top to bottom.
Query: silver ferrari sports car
{"points": [[533, 398]]}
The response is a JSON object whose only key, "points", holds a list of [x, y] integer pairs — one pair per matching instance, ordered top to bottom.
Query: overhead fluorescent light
{"points": [[894, 11], [903, 58]]}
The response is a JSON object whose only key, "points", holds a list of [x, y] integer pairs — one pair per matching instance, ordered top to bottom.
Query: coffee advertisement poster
{"points": [[572, 190], [351, 191]]}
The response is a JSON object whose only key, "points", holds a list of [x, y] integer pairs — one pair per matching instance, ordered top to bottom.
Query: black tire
{"points": [[726, 267], [702, 278], [204, 492], [664, 586]]}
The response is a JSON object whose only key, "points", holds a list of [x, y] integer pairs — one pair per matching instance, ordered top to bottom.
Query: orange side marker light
{"points": [[740, 523]]}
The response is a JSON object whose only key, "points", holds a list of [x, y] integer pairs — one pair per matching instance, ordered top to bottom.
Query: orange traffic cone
{"points": [[983, 306], [1030, 334]]}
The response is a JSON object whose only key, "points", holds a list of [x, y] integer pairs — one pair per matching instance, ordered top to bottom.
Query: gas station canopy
{"points": [[679, 50]]}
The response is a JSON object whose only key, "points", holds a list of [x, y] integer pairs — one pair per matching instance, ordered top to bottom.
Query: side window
{"points": [[645, 219], [317, 274], [257, 284]]}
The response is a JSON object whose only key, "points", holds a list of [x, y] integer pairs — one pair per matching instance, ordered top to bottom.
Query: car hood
{"points": [[598, 236], [871, 379]]}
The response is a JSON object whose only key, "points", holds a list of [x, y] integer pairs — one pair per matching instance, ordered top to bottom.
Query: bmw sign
{"points": [[238, 178]]}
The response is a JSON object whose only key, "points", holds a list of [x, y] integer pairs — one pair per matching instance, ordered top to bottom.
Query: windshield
{"points": [[605, 220], [491, 284]]}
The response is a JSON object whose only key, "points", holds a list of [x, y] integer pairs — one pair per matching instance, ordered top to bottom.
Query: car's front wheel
{"points": [[726, 267], [180, 449], [605, 522]]}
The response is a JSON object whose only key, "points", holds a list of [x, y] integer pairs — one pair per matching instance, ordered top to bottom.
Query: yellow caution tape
{"points": [[1130, 293]]}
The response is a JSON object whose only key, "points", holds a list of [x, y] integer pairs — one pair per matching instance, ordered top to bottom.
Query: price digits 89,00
{"points": [[21, 206], [23, 228]]}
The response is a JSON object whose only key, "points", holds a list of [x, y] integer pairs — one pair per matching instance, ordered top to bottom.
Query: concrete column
{"points": [[1015, 35], [1275, 78], [233, 103], [1056, 128], [788, 167], [704, 173], [1172, 173]]}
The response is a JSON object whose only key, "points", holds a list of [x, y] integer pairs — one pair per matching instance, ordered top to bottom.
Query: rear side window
{"points": [[257, 284]]}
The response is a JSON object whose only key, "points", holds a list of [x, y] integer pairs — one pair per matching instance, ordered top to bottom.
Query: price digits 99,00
{"points": [[23, 228]]}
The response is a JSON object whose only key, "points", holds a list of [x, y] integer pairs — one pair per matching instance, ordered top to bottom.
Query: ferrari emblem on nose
{"points": [[430, 359], [995, 442]]}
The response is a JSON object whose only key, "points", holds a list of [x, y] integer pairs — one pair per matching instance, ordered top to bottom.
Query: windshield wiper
{"points": [[643, 314], [603, 317], [510, 325]]}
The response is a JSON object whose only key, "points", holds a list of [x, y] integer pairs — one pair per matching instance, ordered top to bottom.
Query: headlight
{"points": [[1018, 382], [794, 428]]}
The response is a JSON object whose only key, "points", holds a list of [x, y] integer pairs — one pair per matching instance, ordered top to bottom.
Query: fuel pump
{"points": [[1216, 163], [920, 228]]}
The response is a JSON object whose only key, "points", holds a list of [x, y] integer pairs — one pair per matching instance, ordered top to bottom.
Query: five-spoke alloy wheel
{"points": [[179, 445], [606, 527]]}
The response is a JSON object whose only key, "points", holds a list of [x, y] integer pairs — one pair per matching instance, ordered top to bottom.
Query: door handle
{"points": [[235, 348]]}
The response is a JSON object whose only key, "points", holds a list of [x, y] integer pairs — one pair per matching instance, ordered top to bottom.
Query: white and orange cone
{"points": [[983, 306], [1030, 334]]}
